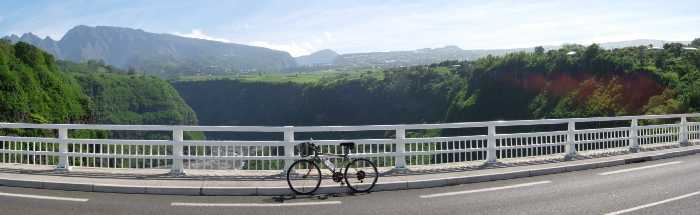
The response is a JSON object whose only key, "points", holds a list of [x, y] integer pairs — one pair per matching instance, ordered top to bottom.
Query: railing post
{"points": [[684, 131], [634, 140], [491, 144], [288, 147], [570, 147], [63, 150], [400, 158], [177, 168]]}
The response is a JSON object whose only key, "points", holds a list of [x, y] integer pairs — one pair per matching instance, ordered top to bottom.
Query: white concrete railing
{"points": [[178, 154]]}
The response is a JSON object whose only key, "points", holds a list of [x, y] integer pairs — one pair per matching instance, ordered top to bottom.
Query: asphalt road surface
{"points": [[670, 186]]}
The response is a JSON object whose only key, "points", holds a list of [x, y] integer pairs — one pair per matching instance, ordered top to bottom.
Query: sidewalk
{"points": [[198, 183]]}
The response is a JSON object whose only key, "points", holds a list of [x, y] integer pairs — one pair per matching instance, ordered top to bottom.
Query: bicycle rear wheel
{"points": [[361, 175], [304, 177]]}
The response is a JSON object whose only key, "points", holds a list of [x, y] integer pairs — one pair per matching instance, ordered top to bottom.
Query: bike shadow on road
{"points": [[281, 199]]}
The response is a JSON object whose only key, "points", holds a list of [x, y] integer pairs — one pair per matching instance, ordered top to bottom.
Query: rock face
{"points": [[159, 54], [320, 58]]}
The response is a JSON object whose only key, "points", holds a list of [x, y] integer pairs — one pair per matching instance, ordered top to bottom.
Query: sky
{"points": [[302, 27]]}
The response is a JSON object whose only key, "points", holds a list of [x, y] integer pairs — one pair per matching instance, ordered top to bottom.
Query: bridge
{"points": [[521, 165]]}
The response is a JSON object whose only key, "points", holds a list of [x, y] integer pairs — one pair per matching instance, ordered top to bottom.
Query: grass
{"points": [[299, 78]]}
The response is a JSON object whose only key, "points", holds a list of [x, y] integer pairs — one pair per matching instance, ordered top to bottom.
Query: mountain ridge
{"points": [[158, 53], [171, 55], [424, 56], [321, 57]]}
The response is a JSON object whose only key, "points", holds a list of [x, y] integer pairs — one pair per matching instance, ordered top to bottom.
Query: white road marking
{"points": [[640, 168], [485, 189], [43, 197], [186, 204], [653, 204]]}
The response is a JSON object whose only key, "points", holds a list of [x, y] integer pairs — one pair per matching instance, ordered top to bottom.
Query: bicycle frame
{"points": [[325, 156]]}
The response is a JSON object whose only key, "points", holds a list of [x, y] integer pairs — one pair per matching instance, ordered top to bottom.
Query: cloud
{"points": [[199, 34], [329, 37], [306, 47], [293, 48]]}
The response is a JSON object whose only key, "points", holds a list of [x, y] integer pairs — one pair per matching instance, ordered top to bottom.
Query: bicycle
{"points": [[304, 175]]}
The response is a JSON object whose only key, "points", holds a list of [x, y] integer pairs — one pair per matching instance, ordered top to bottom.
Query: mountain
{"points": [[640, 42], [47, 44], [158, 54], [169, 55], [429, 56], [415, 57], [319, 58]]}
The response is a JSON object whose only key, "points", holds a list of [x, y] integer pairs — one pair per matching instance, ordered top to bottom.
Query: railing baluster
{"points": [[683, 135], [634, 139], [491, 144], [288, 147], [570, 148], [63, 150], [400, 158], [177, 167]]}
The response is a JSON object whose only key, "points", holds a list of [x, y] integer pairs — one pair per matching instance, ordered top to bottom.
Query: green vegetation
{"points": [[299, 78], [574, 81], [35, 88], [32, 89], [122, 98], [357, 98]]}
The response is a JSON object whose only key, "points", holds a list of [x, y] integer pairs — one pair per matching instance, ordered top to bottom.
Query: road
{"points": [[668, 186]]}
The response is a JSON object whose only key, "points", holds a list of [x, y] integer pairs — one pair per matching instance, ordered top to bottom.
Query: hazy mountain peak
{"points": [[30, 37], [12, 38], [451, 47], [325, 51], [161, 54], [321, 57]]}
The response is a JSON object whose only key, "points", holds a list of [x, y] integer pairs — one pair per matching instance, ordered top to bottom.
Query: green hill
{"points": [[35, 88]]}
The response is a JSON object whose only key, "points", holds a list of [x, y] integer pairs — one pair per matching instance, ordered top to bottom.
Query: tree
{"points": [[695, 43], [674, 48], [539, 50], [131, 71]]}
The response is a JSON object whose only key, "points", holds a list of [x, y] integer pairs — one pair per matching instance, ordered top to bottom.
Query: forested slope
{"points": [[574, 81], [35, 88], [122, 98]]}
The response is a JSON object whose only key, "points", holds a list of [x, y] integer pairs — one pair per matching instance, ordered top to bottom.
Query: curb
{"points": [[387, 186]]}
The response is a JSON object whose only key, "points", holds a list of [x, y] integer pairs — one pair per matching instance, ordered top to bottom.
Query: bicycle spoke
{"points": [[361, 175], [303, 177]]}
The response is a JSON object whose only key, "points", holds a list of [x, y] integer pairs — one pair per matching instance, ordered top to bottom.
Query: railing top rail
{"points": [[90, 127], [335, 128]]}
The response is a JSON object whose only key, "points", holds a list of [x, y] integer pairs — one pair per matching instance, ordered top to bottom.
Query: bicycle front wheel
{"points": [[361, 175], [304, 177]]}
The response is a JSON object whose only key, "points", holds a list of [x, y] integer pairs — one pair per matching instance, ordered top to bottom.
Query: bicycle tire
{"points": [[312, 168], [357, 187]]}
